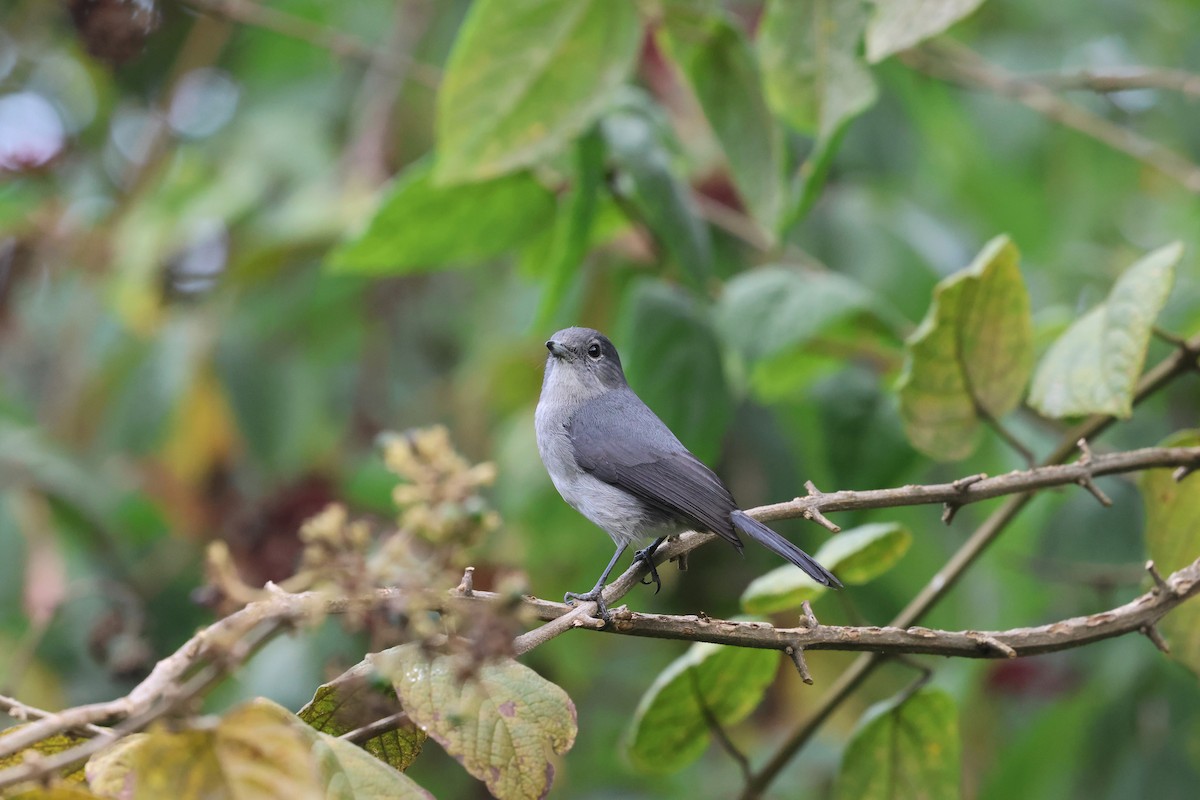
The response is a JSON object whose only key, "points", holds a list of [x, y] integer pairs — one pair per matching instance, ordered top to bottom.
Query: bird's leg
{"points": [[646, 554], [596, 595]]}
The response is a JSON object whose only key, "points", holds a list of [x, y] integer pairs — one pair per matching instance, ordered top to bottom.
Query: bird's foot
{"points": [[646, 554], [596, 595]]}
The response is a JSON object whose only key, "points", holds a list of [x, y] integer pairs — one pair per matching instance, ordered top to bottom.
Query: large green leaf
{"points": [[900, 24], [722, 71], [525, 77], [815, 78], [645, 180], [420, 226], [572, 226], [774, 314], [970, 356], [673, 361], [1093, 367], [1173, 541], [856, 556], [342, 706], [503, 724], [670, 728], [904, 749]]}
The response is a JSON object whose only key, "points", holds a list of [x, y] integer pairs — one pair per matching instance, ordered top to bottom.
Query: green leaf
{"points": [[900, 24], [722, 70], [525, 77], [816, 79], [645, 181], [420, 226], [572, 226], [774, 314], [972, 353], [673, 361], [1093, 368], [1173, 541], [856, 556], [353, 701], [503, 724], [670, 729], [904, 749], [352, 773]]}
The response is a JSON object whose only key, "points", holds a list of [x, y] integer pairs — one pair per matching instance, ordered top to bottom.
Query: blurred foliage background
{"points": [[204, 325]]}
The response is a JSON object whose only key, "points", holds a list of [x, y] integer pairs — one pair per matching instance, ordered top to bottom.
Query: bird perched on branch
{"points": [[617, 463]]}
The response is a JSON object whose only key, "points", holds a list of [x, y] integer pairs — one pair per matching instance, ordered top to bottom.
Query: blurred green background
{"points": [[182, 361]]}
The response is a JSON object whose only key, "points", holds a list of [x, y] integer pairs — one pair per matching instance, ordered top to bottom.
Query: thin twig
{"points": [[959, 65], [1122, 80], [717, 730]]}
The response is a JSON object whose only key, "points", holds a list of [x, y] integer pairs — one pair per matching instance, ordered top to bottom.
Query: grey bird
{"points": [[618, 464]]}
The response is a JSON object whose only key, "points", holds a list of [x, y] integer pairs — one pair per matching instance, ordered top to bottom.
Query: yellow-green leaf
{"points": [[525, 77], [973, 352], [1093, 367], [1173, 541], [856, 556], [350, 703], [504, 723], [670, 729], [46, 747], [258, 749], [902, 750]]}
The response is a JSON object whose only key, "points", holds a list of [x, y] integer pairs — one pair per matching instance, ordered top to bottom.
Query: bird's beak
{"points": [[556, 349]]}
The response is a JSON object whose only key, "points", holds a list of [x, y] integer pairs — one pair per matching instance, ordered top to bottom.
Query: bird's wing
{"points": [[619, 440]]}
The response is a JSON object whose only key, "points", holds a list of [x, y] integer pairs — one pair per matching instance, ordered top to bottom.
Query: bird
{"points": [[613, 460]]}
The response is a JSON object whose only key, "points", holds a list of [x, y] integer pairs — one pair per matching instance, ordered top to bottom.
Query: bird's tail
{"points": [[782, 547]]}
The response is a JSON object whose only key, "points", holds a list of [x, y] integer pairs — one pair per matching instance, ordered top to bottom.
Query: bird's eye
{"points": [[594, 350]]}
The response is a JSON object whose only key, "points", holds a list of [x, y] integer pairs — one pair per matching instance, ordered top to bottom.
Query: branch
{"points": [[960, 66], [1105, 82], [1133, 617]]}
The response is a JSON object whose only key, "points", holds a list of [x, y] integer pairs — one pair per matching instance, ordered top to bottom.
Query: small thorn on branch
{"points": [[1085, 460], [1182, 472], [949, 509], [948, 512], [814, 514], [1159, 582], [466, 587], [810, 619], [1151, 633], [993, 644], [797, 656]]}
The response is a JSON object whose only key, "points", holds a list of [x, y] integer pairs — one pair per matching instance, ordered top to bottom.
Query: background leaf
{"points": [[900, 24], [722, 71], [525, 77], [815, 78], [646, 182], [420, 226], [669, 352], [972, 352], [1093, 367], [1173, 541], [856, 556], [338, 708], [669, 729], [905, 749]]}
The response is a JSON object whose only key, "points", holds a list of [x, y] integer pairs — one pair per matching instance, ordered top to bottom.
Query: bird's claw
{"points": [[647, 555], [594, 596]]}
